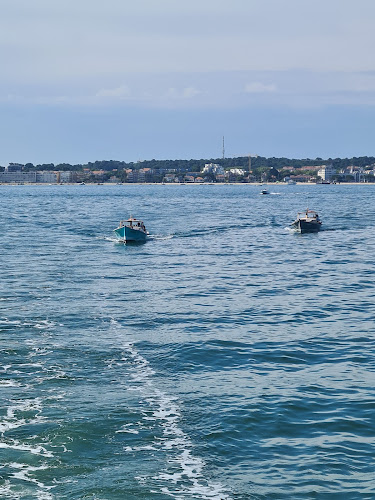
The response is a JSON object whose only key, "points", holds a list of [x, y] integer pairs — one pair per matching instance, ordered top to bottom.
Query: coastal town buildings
{"points": [[213, 168], [326, 172], [16, 173], [355, 174], [17, 177], [46, 177], [66, 177]]}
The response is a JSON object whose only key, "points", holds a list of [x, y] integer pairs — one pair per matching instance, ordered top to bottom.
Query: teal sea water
{"points": [[226, 358]]}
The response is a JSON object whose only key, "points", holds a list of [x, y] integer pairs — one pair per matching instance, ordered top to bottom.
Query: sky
{"points": [[86, 80]]}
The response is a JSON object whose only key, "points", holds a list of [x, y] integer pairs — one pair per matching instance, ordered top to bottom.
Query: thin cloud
{"points": [[258, 87], [221, 90], [122, 92], [190, 92], [176, 94]]}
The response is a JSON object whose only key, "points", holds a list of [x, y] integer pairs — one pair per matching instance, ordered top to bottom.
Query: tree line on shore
{"points": [[256, 162]]}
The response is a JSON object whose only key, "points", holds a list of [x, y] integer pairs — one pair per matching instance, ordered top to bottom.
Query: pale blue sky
{"points": [[85, 80]]}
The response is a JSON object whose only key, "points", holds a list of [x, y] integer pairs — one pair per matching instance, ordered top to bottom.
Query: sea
{"points": [[226, 358]]}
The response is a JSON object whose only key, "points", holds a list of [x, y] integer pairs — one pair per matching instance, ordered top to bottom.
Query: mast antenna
{"points": [[223, 149]]}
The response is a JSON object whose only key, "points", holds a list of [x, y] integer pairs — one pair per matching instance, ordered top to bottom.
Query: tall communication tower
{"points": [[223, 149], [250, 156]]}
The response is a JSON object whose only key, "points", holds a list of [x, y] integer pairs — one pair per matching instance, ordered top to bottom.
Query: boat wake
{"points": [[151, 237], [160, 237], [112, 239], [184, 476]]}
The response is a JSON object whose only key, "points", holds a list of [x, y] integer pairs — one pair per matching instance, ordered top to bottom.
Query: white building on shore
{"points": [[213, 168], [326, 172], [14, 174], [17, 177], [46, 177]]}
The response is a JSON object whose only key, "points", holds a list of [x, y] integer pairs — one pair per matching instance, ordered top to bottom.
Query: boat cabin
{"points": [[308, 215], [133, 223]]}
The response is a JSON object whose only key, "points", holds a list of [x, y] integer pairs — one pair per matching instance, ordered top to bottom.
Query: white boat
{"points": [[264, 191]]}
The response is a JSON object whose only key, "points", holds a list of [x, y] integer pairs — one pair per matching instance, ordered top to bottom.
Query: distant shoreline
{"points": [[272, 184]]}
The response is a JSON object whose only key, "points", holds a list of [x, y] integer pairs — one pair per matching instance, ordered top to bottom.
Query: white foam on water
{"points": [[154, 237], [160, 237], [112, 239], [7, 322], [44, 324], [40, 325], [38, 351], [31, 365], [55, 376], [9, 383], [56, 396], [34, 404], [28, 412], [15, 418], [12, 421], [6, 425], [127, 429], [148, 447], [35, 450], [23, 472], [190, 475], [188, 480], [6, 491], [44, 495]]}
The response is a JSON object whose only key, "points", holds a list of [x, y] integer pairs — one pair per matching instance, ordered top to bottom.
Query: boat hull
{"points": [[307, 226], [128, 234]]}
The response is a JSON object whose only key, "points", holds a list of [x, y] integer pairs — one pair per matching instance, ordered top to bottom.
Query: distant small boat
{"points": [[291, 182], [264, 191], [307, 222], [131, 230]]}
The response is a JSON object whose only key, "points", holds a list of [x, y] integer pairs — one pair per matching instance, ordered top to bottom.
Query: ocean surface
{"points": [[226, 358]]}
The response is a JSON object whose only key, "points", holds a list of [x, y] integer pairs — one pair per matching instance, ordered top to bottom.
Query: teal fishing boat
{"points": [[131, 230]]}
